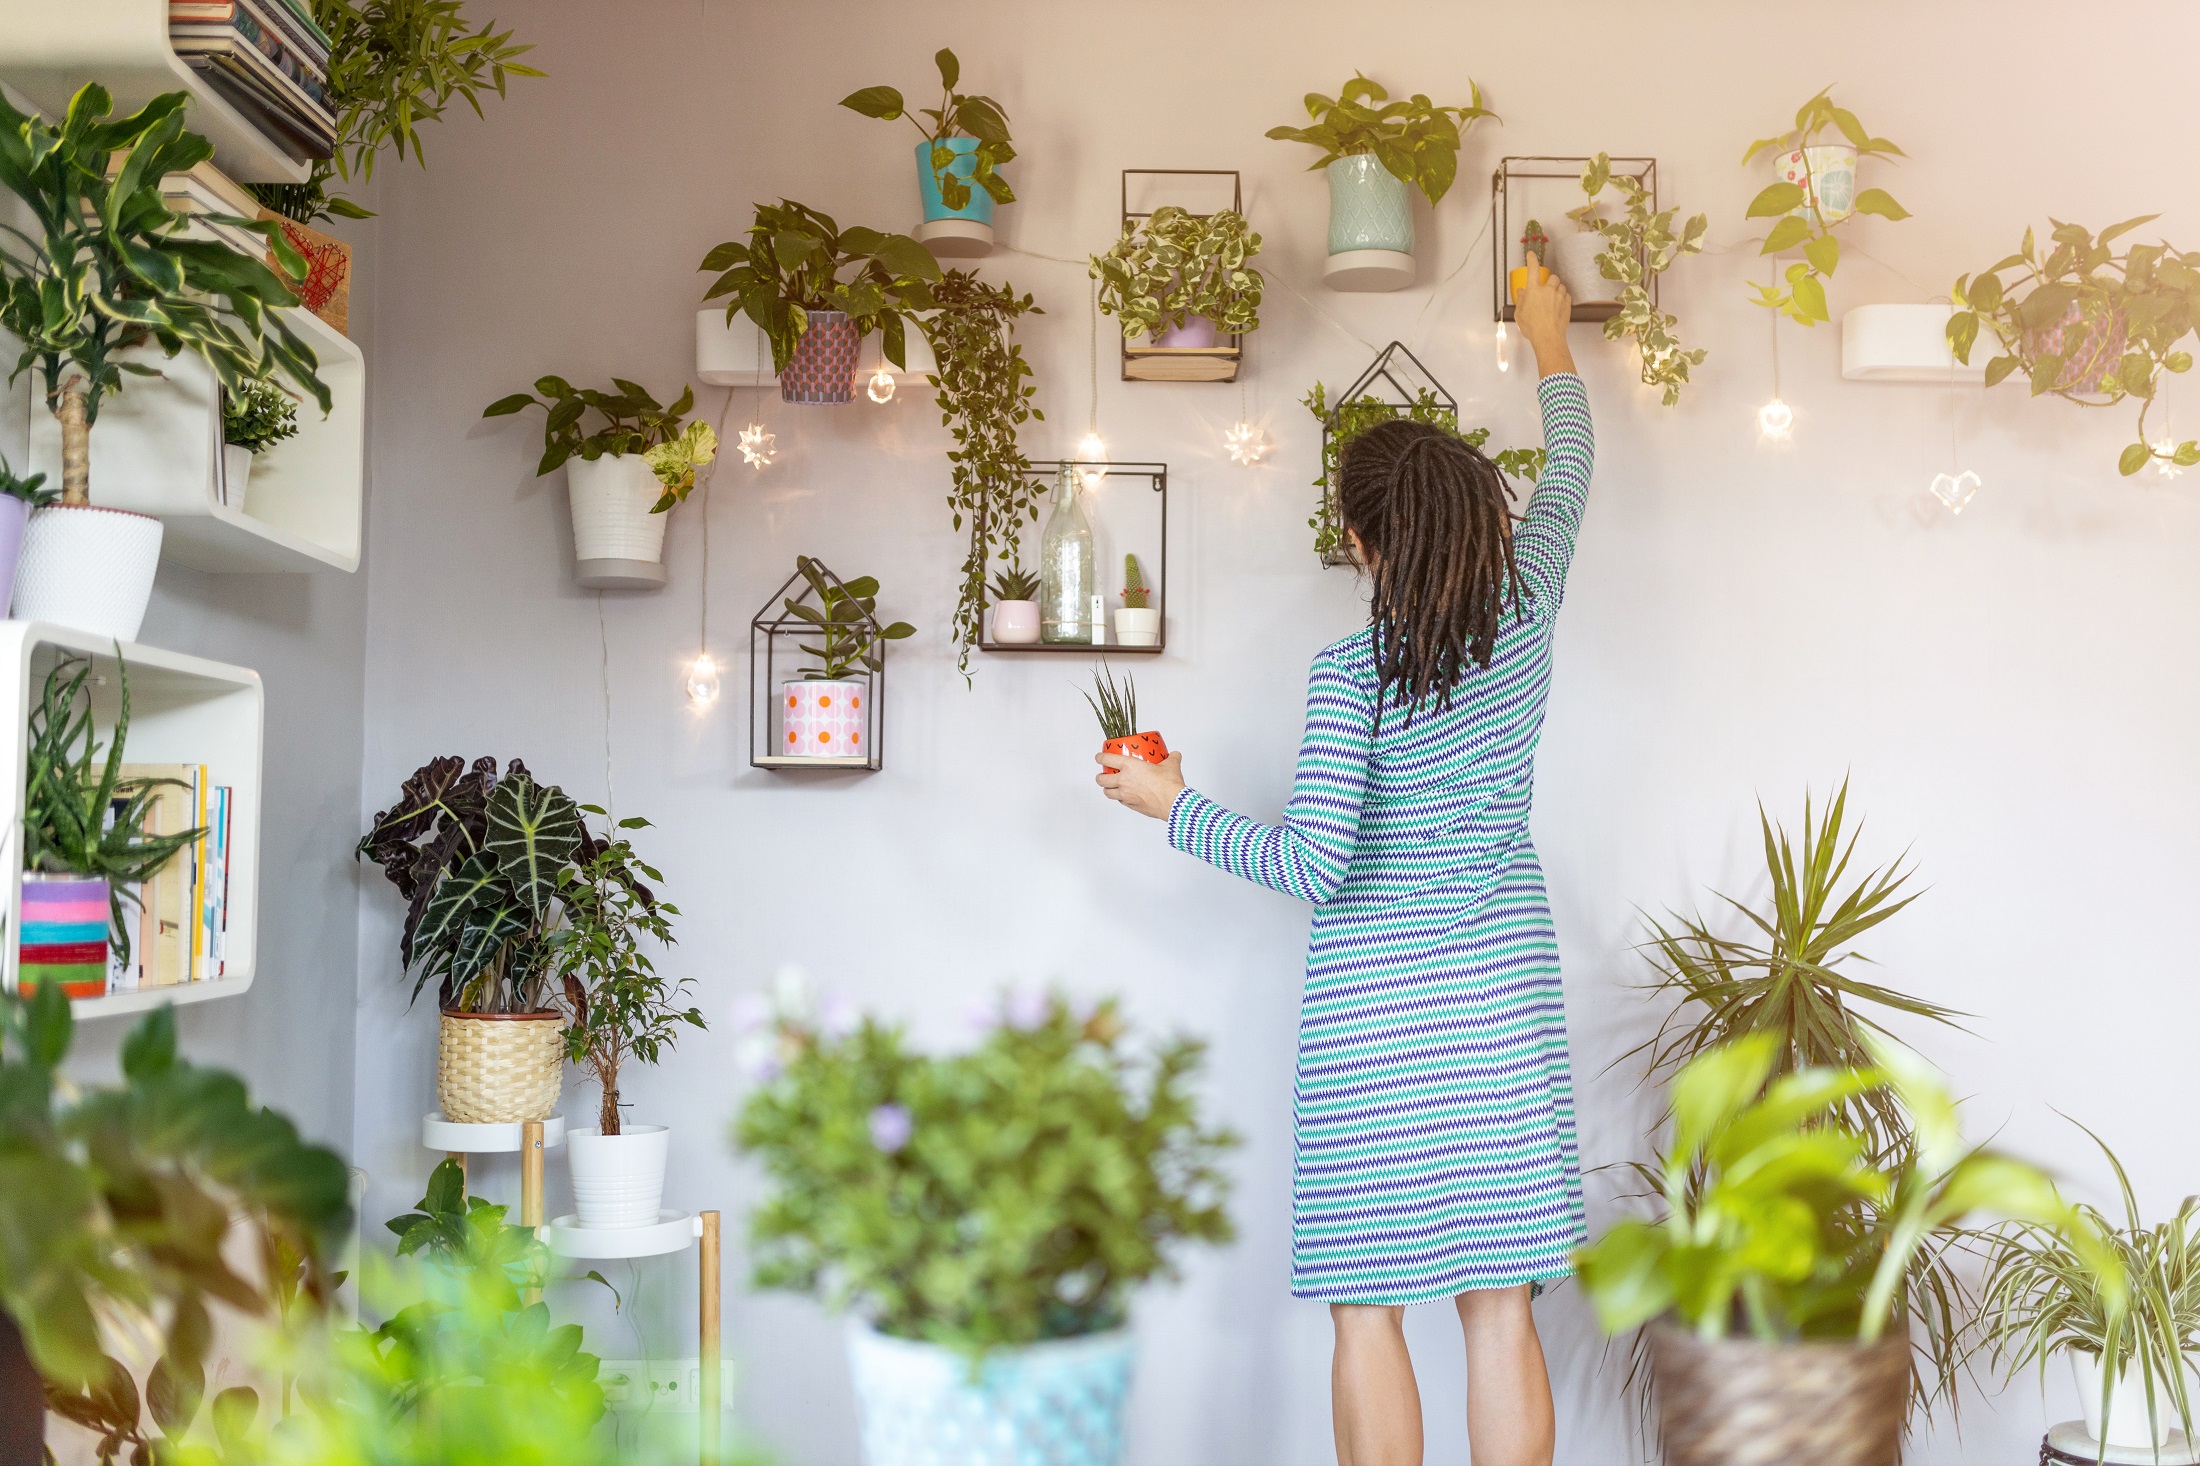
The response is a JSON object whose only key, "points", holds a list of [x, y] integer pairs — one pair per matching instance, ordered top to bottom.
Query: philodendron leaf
{"points": [[1879, 201], [2133, 459], [533, 831]]}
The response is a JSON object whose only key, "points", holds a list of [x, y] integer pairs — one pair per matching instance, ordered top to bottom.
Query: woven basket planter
{"points": [[499, 1068], [1738, 1402]]}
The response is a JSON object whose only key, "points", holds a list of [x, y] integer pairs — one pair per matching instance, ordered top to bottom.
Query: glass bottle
{"points": [[1069, 577]]}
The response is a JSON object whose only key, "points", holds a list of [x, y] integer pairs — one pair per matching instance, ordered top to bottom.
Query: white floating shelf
{"points": [[51, 48], [1905, 343], [739, 355], [157, 449], [183, 710], [462, 1138], [673, 1231]]}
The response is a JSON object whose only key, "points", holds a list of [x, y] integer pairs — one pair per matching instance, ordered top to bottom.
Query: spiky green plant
{"points": [[1014, 583], [1135, 593], [1117, 710]]}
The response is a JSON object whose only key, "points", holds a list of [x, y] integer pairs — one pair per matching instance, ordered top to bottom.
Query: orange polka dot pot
{"points": [[825, 719], [1147, 746]]}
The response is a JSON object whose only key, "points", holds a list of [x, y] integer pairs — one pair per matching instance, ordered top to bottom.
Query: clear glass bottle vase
{"points": [[1069, 576]]}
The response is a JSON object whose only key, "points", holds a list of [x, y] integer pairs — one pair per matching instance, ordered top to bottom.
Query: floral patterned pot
{"points": [[1831, 168], [2090, 348], [823, 371], [825, 719], [1145, 746], [1057, 1403]]}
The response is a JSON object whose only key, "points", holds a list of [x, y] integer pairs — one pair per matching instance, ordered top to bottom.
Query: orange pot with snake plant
{"points": [[1117, 710]]}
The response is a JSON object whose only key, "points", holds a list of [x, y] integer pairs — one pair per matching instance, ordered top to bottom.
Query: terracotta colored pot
{"points": [[1147, 746]]}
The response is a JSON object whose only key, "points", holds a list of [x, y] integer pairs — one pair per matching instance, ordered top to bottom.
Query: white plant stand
{"points": [[2068, 1442]]}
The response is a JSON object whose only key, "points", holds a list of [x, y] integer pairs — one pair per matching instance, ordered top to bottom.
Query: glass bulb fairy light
{"points": [[1504, 348], [882, 385], [1775, 418], [1090, 448], [2165, 457], [701, 680]]}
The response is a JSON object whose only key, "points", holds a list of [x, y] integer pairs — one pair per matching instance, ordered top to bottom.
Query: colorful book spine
{"points": [[64, 935]]}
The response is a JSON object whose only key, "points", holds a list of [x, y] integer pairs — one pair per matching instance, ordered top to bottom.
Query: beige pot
{"points": [[499, 1068], [1737, 1402]]}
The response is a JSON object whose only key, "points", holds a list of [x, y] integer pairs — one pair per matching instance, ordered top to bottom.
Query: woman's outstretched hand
{"points": [[1542, 309], [1147, 788]]}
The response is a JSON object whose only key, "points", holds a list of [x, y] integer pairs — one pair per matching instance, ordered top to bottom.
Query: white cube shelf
{"points": [[50, 48], [1907, 343], [738, 355], [157, 449], [183, 710]]}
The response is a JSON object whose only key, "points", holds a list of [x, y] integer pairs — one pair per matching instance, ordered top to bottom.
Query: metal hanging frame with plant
{"points": [[1640, 245], [1173, 266], [844, 622]]}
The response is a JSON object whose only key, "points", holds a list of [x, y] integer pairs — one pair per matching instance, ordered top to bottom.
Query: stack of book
{"points": [[268, 59], [207, 190], [182, 914]]}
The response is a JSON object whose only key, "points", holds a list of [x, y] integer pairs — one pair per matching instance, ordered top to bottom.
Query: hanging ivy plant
{"points": [[1639, 244], [1178, 265], [985, 393], [1347, 420]]}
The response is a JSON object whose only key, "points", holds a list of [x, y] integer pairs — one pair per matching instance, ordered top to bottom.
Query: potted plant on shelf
{"points": [[1372, 148], [958, 161], [1814, 192], [1635, 248], [1535, 251], [108, 269], [787, 279], [1180, 279], [2089, 323], [255, 417], [1347, 420], [621, 478], [19, 495], [1016, 606], [1137, 623], [825, 712], [1118, 715], [85, 848], [483, 863], [618, 1007], [904, 1187], [2132, 1334]]}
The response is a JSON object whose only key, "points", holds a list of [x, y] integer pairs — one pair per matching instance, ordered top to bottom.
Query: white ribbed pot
{"points": [[1574, 256], [618, 543], [88, 568], [618, 1180], [1059, 1403]]}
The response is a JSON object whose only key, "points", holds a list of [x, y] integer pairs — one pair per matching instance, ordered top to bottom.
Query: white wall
{"points": [[2010, 690]]}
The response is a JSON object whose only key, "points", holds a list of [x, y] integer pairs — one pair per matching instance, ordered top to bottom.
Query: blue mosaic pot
{"points": [[965, 167], [1369, 207], [1054, 1404]]}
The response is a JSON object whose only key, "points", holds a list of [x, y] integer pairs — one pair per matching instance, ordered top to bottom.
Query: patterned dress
{"points": [[1434, 1108]]}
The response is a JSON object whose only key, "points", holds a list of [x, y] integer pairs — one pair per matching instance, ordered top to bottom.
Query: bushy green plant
{"points": [[958, 115], [1416, 140], [1639, 244], [793, 264], [1176, 266], [1803, 298], [2134, 306], [257, 416], [1347, 420], [631, 421], [31, 490], [1014, 583], [1135, 594], [845, 622], [1016, 1192]]}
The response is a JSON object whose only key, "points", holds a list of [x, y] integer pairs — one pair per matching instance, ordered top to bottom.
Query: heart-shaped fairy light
{"points": [[1775, 418], [1955, 489]]}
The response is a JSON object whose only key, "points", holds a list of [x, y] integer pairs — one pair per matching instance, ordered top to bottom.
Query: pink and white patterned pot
{"points": [[1832, 168], [823, 371], [824, 719]]}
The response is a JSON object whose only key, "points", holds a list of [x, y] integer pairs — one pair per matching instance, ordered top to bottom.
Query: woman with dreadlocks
{"points": [[1435, 1137]]}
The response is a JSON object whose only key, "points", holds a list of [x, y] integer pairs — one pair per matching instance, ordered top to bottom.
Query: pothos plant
{"points": [[958, 115], [1416, 140], [1802, 207], [1639, 245], [793, 264], [1177, 266], [2089, 324], [985, 393], [630, 420], [1347, 420], [844, 621]]}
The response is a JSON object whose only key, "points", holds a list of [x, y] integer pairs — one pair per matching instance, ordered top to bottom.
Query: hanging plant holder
{"points": [[1519, 193], [1192, 354], [1398, 381], [1109, 480], [810, 722]]}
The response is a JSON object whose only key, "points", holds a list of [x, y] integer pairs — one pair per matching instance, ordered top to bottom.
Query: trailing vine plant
{"points": [[1638, 245], [1177, 266], [1803, 298], [985, 393], [1347, 420]]}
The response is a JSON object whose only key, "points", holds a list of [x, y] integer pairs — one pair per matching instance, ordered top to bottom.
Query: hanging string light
{"points": [[1504, 348], [882, 385], [1775, 417], [1246, 439], [756, 444], [1091, 448], [2165, 456], [1959, 485], [700, 679]]}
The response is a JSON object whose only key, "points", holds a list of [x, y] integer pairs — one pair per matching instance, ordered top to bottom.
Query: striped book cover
{"points": [[64, 934]]}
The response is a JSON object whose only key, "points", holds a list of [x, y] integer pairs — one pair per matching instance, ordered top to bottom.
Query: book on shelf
{"points": [[294, 22], [275, 62], [239, 65], [281, 125], [186, 902]]}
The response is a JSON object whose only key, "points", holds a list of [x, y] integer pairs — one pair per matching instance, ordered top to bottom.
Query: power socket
{"points": [[673, 1386]]}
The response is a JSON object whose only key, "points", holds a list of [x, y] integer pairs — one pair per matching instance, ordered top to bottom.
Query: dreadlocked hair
{"points": [[1435, 525]]}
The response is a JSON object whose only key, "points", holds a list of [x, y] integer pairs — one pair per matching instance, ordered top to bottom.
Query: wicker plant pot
{"points": [[499, 1068], [1737, 1402]]}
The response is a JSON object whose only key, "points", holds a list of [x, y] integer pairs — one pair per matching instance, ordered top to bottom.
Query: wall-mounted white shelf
{"points": [[50, 48], [1906, 343], [739, 356], [157, 449], [183, 710]]}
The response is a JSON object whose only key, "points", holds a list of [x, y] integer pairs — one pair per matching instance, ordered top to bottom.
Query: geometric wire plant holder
{"points": [[1505, 205], [1183, 363], [1396, 380], [1044, 472], [799, 723]]}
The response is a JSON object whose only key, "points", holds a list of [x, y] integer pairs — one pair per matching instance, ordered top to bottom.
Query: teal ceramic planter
{"points": [[1369, 207], [980, 208], [1058, 1403]]}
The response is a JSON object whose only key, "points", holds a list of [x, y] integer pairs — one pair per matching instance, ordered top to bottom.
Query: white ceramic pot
{"points": [[1831, 169], [1574, 256], [236, 473], [620, 545], [89, 568], [1016, 623], [1138, 626], [825, 719], [618, 1180], [1058, 1403], [2127, 1404]]}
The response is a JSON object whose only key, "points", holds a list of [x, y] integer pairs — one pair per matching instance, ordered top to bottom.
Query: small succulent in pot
{"points": [[1533, 241], [257, 414], [1015, 584], [1135, 593], [1016, 606], [1139, 622], [1117, 710]]}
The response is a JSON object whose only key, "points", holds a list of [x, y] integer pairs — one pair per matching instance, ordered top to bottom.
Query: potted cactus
{"points": [[1535, 247], [1016, 607], [1139, 622], [1118, 714]]}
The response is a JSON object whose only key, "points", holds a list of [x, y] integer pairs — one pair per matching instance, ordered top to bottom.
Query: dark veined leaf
{"points": [[533, 831], [476, 882]]}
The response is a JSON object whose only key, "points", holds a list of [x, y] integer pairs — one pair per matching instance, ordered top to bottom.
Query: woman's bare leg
{"points": [[1372, 1398], [1509, 1420]]}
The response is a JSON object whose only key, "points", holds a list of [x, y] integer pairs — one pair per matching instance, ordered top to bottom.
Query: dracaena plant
{"points": [[958, 115], [1416, 140], [1802, 211], [1639, 244], [798, 260], [1175, 266], [109, 269], [2088, 323], [629, 420], [1347, 420], [30, 488], [844, 622]]}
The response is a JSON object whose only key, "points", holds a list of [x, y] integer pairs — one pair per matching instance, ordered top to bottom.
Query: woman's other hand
{"points": [[1542, 309], [1147, 788]]}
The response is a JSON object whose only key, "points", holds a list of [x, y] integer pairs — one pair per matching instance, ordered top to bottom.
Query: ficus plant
{"points": [[958, 115], [1416, 140], [1802, 211], [1639, 244], [798, 260], [1175, 266], [2089, 323], [628, 420], [1345, 421], [844, 622]]}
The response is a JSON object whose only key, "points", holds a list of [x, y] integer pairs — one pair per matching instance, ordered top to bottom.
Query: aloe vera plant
{"points": [[1014, 583], [1116, 709]]}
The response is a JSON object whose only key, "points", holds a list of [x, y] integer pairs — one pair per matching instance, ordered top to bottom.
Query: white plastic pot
{"points": [[1574, 256], [236, 474], [618, 543], [88, 568], [1016, 623], [1138, 626], [618, 1180], [1058, 1403], [2127, 1404]]}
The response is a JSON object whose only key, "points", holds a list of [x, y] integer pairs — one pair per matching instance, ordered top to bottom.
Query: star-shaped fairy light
{"points": [[1247, 442], [756, 445], [2165, 457]]}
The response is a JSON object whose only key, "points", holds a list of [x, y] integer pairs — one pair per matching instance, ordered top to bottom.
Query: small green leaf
{"points": [[883, 103], [1775, 198], [1879, 201], [1785, 235], [1824, 253], [2134, 458]]}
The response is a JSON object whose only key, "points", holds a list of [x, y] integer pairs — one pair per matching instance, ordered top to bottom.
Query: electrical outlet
{"points": [[673, 1385]]}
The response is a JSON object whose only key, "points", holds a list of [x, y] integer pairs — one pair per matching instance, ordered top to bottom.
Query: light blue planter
{"points": [[1369, 207], [979, 209], [1053, 1404]]}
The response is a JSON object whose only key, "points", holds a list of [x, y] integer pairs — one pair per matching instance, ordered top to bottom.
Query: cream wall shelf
{"points": [[50, 48], [1907, 343], [739, 356], [183, 709]]}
